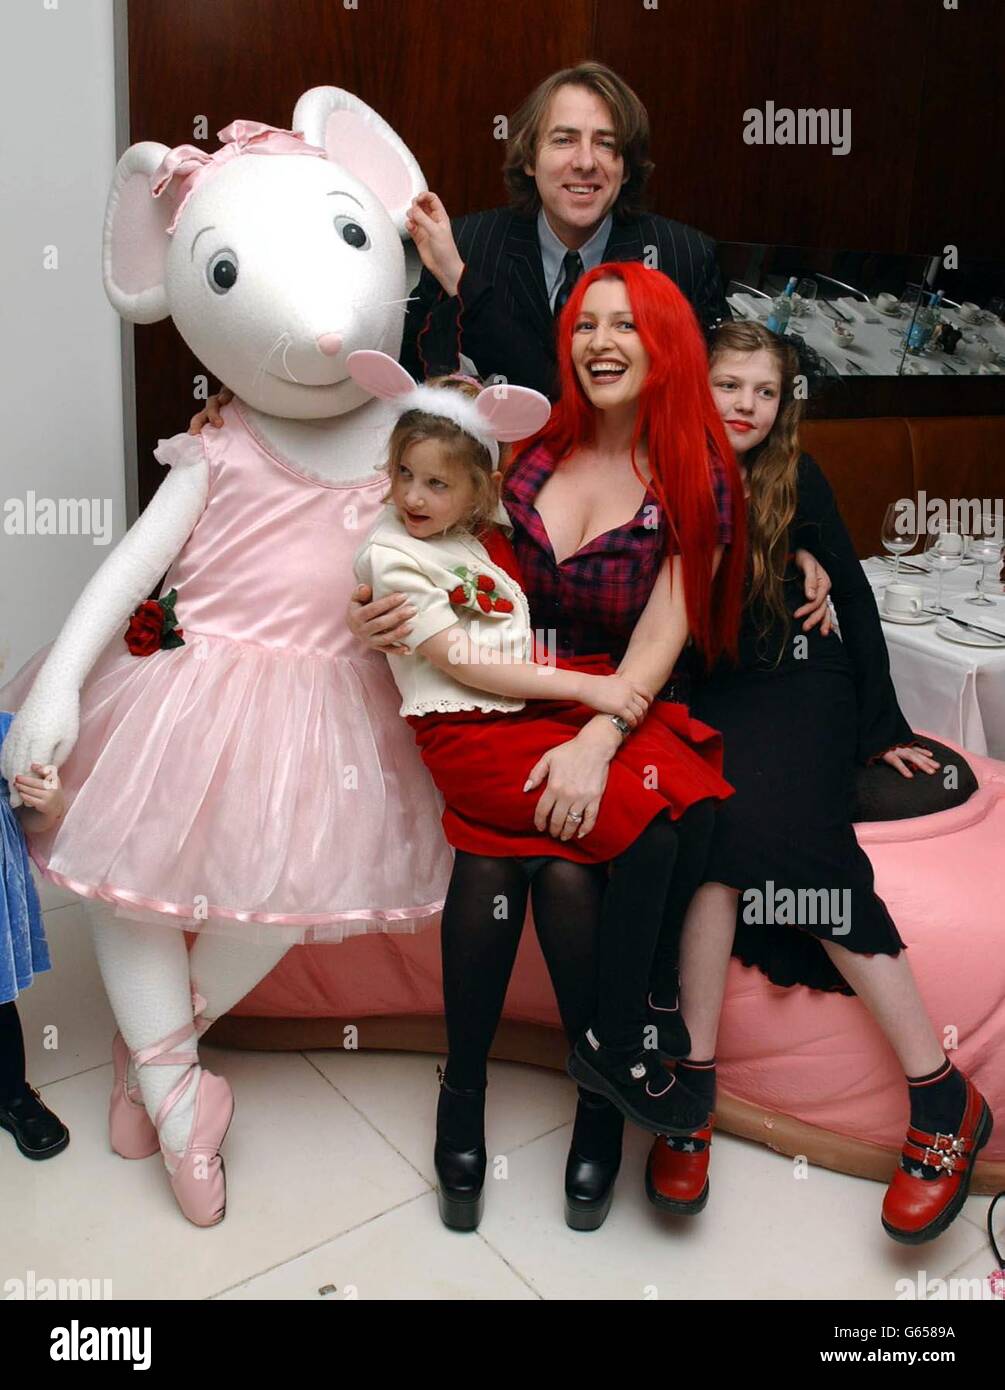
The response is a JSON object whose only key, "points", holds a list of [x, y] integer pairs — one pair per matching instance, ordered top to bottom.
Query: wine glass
{"points": [[807, 293], [900, 531], [985, 545], [944, 546]]}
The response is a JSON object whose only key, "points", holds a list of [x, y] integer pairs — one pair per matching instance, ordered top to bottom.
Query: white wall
{"points": [[60, 372]]}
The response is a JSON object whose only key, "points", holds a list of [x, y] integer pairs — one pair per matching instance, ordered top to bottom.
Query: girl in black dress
{"points": [[797, 714]]}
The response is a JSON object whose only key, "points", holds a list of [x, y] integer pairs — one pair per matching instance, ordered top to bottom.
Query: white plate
{"points": [[893, 313], [908, 619], [952, 633]]}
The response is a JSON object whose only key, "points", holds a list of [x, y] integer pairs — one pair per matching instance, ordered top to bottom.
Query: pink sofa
{"points": [[801, 1071]]}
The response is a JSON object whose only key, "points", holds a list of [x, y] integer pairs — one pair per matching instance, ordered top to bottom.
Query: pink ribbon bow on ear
{"points": [[192, 166]]}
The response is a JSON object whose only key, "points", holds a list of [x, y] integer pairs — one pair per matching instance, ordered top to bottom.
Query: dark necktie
{"points": [[572, 264]]}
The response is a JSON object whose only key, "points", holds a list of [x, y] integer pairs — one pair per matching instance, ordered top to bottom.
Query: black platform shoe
{"points": [[37, 1132], [459, 1156], [589, 1182]]}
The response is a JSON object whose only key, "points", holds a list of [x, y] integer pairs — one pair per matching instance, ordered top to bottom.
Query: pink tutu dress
{"points": [[257, 778]]}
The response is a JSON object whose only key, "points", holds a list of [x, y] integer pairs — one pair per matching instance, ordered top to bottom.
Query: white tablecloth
{"points": [[871, 350], [944, 687]]}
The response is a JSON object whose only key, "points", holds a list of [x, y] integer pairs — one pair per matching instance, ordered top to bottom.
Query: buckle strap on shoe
{"points": [[454, 1090], [947, 1154]]}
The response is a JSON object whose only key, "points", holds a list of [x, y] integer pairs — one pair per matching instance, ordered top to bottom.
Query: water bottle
{"points": [[781, 310], [924, 324]]}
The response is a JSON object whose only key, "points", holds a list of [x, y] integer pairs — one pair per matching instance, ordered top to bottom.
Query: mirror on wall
{"points": [[868, 314]]}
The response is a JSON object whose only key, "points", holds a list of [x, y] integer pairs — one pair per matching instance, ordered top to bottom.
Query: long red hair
{"points": [[680, 425]]}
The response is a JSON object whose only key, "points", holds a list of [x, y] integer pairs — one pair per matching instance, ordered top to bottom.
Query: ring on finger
{"points": [[574, 815]]}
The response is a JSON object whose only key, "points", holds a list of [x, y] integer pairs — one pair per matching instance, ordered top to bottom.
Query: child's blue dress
{"points": [[23, 952]]}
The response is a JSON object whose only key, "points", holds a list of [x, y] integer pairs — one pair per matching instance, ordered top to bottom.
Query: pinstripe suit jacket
{"points": [[501, 318]]}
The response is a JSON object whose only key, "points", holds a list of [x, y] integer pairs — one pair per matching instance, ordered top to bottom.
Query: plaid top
{"points": [[592, 600]]}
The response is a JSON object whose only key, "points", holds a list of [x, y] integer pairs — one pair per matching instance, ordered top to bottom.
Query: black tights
{"points": [[483, 919], [585, 933], [11, 1053]]}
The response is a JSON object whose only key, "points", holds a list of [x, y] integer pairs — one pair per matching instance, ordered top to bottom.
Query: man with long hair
{"points": [[576, 168]]}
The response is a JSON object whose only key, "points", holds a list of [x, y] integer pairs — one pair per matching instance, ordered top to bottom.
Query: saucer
{"points": [[893, 313], [908, 619], [952, 633]]}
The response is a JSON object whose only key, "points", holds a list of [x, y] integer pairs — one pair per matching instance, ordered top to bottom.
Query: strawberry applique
{"points": [[477, 591]]}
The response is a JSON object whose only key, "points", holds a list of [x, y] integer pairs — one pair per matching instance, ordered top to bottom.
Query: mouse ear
{"points": [[355, 137], [136, 240], [379, 374], [513, 412]]}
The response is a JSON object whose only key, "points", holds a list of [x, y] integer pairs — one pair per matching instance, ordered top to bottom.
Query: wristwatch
{"points": [[621, 724]]}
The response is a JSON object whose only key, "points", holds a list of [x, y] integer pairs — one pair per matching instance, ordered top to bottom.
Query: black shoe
{"points": [[673, 1041], [639, 1085], [37, 1132], [459, 1156], [589, 1190]]}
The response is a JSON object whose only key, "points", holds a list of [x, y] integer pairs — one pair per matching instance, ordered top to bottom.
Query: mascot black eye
{"points": [[352, 233], [222, 272]]}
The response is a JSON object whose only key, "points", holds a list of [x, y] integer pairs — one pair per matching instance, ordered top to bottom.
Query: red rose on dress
{"points": [[485, 583], [457, 595], [484, 603], [502, 605], [146, 627]]}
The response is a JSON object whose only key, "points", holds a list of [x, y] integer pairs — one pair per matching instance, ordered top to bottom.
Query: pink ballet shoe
{"points": [[130, 1129], [198, 1177]]}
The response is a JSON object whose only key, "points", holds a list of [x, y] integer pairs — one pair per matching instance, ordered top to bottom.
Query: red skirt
{"points": [[480, 762]]}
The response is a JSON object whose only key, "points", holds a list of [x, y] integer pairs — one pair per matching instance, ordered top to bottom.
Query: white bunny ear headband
{"points": [[497, 413]]}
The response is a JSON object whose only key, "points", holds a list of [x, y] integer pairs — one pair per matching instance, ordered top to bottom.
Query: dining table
{"points": [[877, 345], [949, 678]]}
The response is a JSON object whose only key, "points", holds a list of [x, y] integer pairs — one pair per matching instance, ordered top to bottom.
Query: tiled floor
{"points": [[330, 1185]]}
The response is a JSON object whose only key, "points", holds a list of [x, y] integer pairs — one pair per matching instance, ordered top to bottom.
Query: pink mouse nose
{"points": [[330, 344]]}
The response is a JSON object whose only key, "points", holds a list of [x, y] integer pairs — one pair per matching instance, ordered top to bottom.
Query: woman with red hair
{"points": [[627, 513]]}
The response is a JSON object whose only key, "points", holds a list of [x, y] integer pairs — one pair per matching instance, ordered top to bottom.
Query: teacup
{"points": [[886, 301], [970, 312], [903, 600]]}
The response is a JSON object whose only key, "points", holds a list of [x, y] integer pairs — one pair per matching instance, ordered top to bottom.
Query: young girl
{"points": [[468, 671], [790, 822], [37, 1132]]}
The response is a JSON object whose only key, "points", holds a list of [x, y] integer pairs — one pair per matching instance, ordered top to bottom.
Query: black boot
{"points": [[37, 1132], [459, 1156], [592, 1166]]}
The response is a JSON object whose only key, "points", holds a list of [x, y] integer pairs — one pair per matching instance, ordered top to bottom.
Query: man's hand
{"points": [[429, 227], [211, 415], [818, 587]]}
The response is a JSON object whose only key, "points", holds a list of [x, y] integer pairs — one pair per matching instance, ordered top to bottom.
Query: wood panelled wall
{"points": [[923, 84]]}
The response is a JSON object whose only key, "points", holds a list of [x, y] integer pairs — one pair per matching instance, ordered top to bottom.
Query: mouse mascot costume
{"points": [[233, 760]]}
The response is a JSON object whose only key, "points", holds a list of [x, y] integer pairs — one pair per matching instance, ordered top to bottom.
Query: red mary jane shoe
{"points": [[677, 1179], [916, 1208]]}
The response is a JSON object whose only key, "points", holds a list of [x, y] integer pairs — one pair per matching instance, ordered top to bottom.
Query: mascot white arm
{"points": [[45, 729]]}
